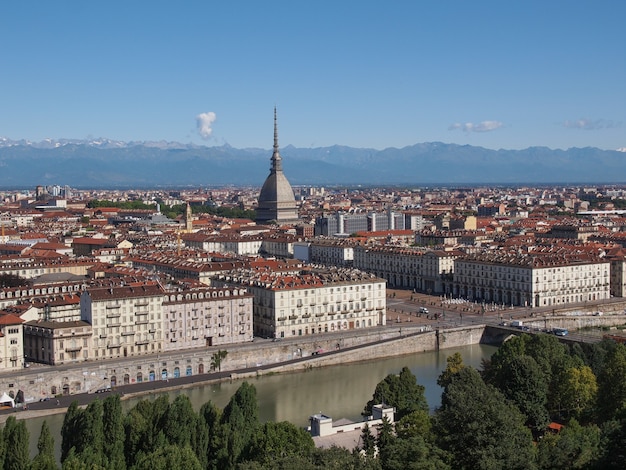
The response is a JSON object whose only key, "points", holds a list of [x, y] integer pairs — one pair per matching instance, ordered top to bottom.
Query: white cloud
{"points": [[204, 121], [590, 124], [484, 126]]}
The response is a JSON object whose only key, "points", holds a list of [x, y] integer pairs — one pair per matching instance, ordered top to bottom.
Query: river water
{"points": [[337, 391]]}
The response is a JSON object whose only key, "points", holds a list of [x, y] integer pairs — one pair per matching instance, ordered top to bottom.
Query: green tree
{"points": [[217, 359], [454, 364], [524, 382], [612, 383], [579, 390], [400, 391], [210, 416], [240, 422], [179, 423], [417, 423], [143, 427], [91, 428], [480, 428], [113, 429], [70, 433], [16, 438], [384, 440], [280, 442], [368, 442], [613, 443], [575, 446], [2, 448], [414, 453], [169, 457], [337, 458], [44, 460]]}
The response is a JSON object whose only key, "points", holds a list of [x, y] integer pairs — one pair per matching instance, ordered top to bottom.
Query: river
{"points": [[337, 391]]}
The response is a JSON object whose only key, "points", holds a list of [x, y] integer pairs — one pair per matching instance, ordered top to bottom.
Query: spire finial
{"points": [[275, 131], [276, 158]]}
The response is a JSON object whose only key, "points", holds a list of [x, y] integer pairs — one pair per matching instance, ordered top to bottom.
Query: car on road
{"points": [[423, 310], [560, 331]]}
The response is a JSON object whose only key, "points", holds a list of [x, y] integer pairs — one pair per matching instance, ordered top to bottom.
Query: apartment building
{"points": [[332, 251], [409, 268], [532, 280], [310, 301], [199, 317], [126, 320], [11, 342], [57, 342]]}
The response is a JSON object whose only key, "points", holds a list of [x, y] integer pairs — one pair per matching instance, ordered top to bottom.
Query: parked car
{"points": [[560, 332]]}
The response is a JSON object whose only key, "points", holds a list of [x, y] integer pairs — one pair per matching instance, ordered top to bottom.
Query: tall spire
{"points": [[276, 158]]}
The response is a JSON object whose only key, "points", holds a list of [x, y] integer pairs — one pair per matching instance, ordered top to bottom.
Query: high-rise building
{"points": [[277, 202]]}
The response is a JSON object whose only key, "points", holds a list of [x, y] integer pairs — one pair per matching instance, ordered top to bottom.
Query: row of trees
{"points": [[177, 209], [499, 417], [492, 419]]}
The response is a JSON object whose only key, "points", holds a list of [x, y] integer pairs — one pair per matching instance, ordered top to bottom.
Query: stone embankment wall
{"points": [[411, 343], [40, 381]]}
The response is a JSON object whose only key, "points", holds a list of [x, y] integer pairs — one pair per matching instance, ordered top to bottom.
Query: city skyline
{"points": [[360, 74]]}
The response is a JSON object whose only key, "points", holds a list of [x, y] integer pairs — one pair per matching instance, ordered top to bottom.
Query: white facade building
{"points": [[526, 280], [311, 301], [202, 317], [126, 320]]}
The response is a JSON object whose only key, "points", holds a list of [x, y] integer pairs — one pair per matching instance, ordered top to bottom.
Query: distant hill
{"points": [[105, 163]]}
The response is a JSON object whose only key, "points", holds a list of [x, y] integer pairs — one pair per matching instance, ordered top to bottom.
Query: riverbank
{"points": [[412, 340]]}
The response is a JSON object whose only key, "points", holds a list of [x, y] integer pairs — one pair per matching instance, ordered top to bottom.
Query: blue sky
{"points": [[498, 74]]}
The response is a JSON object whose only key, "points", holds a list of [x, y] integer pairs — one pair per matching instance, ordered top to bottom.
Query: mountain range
{"points": [[104, 163]]}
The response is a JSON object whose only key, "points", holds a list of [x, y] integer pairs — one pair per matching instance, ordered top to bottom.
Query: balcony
{"points": [[141, 313], [113, 314], [319, 314], [306, 315], [293, 317], [281, 318], [141, 322], [112, 325], [127, 333], [141, 343], [73, 349]]}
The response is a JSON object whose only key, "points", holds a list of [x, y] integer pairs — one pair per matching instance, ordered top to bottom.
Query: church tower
{"points": [[276, 200]]}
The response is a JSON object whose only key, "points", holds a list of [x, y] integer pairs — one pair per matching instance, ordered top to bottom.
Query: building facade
{"points": [[531, 281], [311, 301], [202, 317], [126, 320]]}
